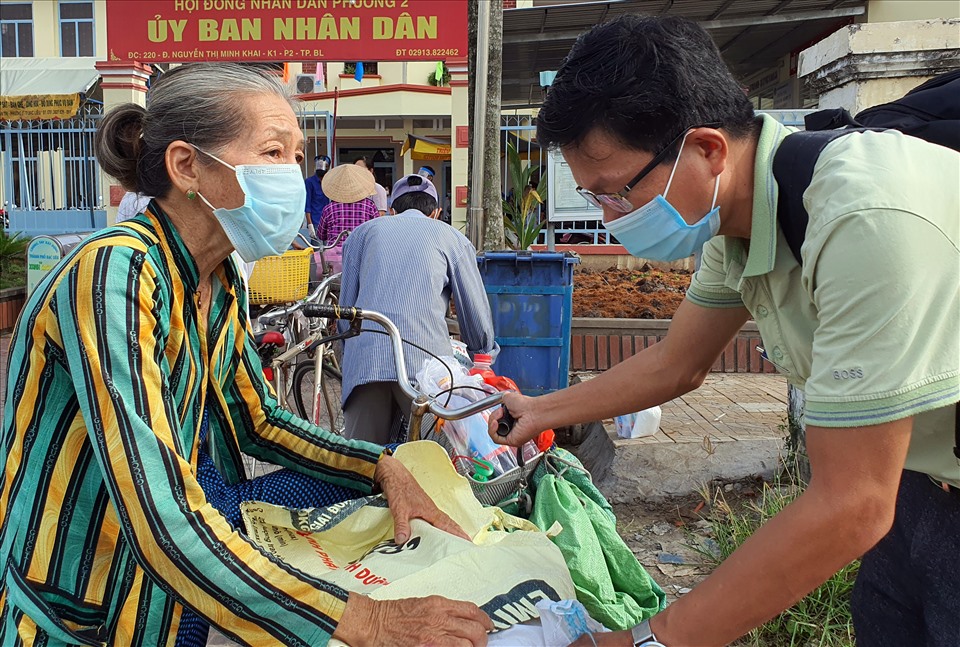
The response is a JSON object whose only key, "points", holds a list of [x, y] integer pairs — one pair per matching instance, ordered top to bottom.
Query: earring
{"points": [[191, 194]]}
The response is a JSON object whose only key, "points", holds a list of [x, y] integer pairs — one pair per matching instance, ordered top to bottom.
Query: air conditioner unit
{"points": [[305, 83]]}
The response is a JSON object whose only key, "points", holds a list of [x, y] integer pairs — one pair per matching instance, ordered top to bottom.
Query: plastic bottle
{"points": [[482, 366], [471, 433]]}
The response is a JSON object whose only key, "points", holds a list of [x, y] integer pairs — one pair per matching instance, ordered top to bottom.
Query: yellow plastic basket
{"points": [[281, 279]]}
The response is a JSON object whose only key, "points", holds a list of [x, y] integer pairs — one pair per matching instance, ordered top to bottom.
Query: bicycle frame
{"points": [[318, 295], [422, 403]]}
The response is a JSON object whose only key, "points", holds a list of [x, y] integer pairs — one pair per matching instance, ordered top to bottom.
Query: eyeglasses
{"points": [[618, 201]]}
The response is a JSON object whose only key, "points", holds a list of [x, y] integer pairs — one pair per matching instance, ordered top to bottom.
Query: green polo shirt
{"points": [[869, 327]]}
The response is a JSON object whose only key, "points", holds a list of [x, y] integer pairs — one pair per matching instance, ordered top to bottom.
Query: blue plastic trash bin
{"points": [[531, 299]]}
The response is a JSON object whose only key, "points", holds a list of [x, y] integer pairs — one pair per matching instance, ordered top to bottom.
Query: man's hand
{"points": [[527, 421], [408, 501], [414, 621], [607, 639]]}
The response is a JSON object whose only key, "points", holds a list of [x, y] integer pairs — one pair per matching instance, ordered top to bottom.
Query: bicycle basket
{"points": [[281, 279], [495, 491]]}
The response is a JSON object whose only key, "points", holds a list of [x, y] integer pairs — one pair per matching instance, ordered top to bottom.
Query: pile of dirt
{"points": [[644, 293]]}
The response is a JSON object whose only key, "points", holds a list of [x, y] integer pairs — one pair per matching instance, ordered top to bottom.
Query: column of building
{"points": [[866, 64], [121, 82], [459, 130]]}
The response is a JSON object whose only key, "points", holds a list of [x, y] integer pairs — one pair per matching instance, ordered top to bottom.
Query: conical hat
{"points": [[348, 183]]}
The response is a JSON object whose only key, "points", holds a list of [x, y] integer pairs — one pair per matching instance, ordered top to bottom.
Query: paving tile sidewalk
{"points": [[728, 406]]}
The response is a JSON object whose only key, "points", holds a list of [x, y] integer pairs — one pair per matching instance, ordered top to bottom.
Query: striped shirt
{"points": [[344, 216], [407, 267], [105, 534]]}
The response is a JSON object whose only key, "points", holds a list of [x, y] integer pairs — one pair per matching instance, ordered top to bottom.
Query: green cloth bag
{"points": [[613, 586]]}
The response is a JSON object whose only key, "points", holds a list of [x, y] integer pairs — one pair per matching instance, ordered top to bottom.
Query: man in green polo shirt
{"points": [[660, 136]]}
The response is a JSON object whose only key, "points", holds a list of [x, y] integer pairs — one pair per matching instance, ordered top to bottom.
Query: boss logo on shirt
{"points": [[851, 374]]}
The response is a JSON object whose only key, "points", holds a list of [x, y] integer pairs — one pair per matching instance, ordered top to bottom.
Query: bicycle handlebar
{"points": [[322, 247], [326, 311], [270, 318]]}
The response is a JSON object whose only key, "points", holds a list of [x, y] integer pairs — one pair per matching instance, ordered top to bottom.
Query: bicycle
{"points": [[282, 334], [293, 379], [490, 491]]}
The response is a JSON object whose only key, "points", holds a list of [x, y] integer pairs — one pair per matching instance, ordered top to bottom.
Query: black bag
{"points": [[931, 111]]}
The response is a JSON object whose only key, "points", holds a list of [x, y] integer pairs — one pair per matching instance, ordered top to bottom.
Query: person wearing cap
{"points": [[427, 172], [347, 187], [379, 193], [316, 198], [407, 266]]}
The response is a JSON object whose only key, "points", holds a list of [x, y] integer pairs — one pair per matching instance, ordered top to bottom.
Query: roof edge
{"points": [[379, 89]]}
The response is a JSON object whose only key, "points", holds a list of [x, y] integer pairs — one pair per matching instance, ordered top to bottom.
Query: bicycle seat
{"points": [[269, 337]]}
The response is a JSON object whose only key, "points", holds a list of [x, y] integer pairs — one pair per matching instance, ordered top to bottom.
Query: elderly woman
{"points": [[130, 348]]}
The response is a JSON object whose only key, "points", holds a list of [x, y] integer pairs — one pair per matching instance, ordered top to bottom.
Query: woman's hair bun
{"points": [[118, 143]]}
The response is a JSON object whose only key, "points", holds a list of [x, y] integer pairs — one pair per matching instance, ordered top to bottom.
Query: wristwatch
{"points": [[643, 636]]}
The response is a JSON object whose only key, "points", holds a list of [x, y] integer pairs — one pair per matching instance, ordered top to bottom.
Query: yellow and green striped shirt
{"points": [[105, 534]]}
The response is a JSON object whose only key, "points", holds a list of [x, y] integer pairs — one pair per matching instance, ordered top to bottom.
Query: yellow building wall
{"points": [[895, 10], [46, 27], [100, 28], [388, 73], [394, 105]]}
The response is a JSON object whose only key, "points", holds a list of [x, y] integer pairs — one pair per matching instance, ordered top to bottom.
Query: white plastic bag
{"points": [[460, 353], [435, 375], [639, 424], [507, 568]]}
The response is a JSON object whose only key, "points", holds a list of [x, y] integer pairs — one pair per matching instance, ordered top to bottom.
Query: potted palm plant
{"points": [[523, 217]]}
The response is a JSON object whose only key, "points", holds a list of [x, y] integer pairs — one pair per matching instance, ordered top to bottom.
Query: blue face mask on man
{"points": [[272, 210], [658, 232]]}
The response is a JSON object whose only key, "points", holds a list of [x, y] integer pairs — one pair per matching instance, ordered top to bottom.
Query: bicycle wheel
{"points": [[329, 408]]}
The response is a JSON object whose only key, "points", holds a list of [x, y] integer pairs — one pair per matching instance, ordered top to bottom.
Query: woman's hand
{"points": [[526, 426], [408, 501], [433, 621]]}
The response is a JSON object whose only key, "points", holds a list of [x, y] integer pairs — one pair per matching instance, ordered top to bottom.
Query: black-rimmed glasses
{"points": [[618, 201]]}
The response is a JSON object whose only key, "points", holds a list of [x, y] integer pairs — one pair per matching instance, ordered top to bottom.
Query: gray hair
{"points": [[199, 103]]}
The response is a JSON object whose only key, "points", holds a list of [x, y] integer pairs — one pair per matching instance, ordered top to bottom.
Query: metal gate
{"points": [[317, 126], [521, 131], [50, 181]]}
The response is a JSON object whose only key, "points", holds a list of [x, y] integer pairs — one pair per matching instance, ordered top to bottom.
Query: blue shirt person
{"points": [[316, 199], [434, 263]]}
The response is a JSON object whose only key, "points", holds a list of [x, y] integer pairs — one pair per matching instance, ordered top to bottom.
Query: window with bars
{"points": [[76, 28], [16, 29]]}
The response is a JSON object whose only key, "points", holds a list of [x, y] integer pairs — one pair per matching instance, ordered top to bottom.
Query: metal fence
{"points": [[317, 127], [521, 131], [49, 178]]}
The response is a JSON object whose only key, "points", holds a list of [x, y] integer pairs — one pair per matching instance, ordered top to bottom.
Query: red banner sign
{"points": [[180, 31]]}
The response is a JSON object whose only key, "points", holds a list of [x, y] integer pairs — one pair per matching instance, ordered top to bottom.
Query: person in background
{"points": [[661, 137], [427, 172], [348, 187], [379, 195], [316, 198], [132, 204], [407, 266], [133, 376]]}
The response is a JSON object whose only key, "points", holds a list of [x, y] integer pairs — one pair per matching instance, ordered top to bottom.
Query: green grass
{"points": [[13, 271], [822, 619]]}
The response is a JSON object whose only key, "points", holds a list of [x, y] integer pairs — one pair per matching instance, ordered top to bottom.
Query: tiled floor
{"points": [[728, 406]]}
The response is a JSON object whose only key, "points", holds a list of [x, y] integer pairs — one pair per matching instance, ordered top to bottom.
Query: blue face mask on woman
{"points": [[272, 210], [658, 232]]}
